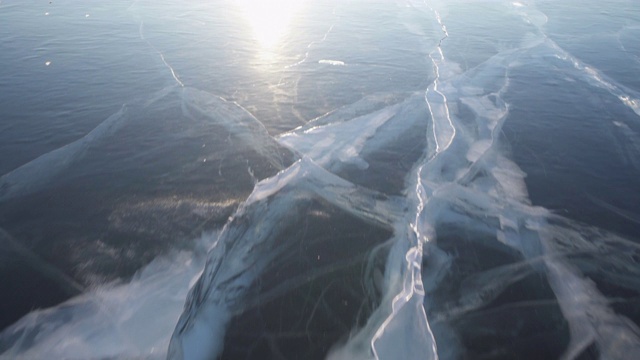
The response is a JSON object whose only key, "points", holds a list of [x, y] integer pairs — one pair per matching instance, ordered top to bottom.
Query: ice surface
{"points": [[336, 142], [142, 152], [32, 176], [406, 225], [252, 241], [117, 320]]}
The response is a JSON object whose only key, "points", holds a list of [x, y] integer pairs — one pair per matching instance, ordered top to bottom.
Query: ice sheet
{"points": [[401, 226]]}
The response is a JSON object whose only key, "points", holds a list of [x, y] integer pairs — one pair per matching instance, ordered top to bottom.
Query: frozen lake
{"points": [[386, 179]]}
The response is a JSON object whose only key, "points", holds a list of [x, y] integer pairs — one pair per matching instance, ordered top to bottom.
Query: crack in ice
{"points": [[311, 44], [164, 61], [594, 76], [443, 136]]}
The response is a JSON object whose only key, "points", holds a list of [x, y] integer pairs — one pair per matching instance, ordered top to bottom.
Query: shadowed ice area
{"points": [[187, 143], [374, 180]]}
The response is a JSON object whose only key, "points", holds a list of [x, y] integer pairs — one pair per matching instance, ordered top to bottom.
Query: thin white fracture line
{"points": [[306, 54], [173, 73], [435, 85], [618, 90]]}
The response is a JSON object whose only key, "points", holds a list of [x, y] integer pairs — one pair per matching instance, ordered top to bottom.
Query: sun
{"points": [[269, 19]]}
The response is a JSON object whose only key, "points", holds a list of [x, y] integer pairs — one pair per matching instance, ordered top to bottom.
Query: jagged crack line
{"points": [[311, 44], [173, 73], [617, 90], [443, 112], [412, 283], [413, 288]]}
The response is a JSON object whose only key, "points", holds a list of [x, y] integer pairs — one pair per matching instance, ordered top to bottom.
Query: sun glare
{"points": [[269, 19]]}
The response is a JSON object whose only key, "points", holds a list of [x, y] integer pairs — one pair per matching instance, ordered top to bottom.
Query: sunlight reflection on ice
{"points": [[270, 19]]}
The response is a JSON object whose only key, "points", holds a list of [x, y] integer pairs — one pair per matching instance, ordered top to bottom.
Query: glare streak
{"points": [[269, 19]]}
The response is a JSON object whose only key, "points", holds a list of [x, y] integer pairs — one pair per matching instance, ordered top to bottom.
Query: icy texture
{"points": [[32, 176], [463, 185], [407, 225], [115, 320]]}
